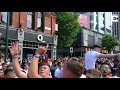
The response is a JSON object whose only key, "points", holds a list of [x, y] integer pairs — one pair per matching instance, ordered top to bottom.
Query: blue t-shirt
{"points": [[52, 69]]}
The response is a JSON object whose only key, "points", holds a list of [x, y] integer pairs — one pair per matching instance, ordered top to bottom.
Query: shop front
{"points": [[29, 41]]}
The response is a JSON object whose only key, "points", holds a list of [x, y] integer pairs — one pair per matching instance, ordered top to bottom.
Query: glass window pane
{"points": [[39, 14], [4, 17], [39, 19], [29, 21], [39, 22]]}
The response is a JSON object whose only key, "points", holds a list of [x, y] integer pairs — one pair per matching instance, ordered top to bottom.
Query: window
{"points": [[103, 15], [4, 17], [91, 17], [39, 19], [29, 20], [103, 21], [92, 26], [96, 27], [103, 28], [116, 28], [108, 30], [90, 40], [99, 41], [54, 53]]}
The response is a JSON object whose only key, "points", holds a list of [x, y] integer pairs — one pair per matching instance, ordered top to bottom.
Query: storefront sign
{"points": [[40, 38]]}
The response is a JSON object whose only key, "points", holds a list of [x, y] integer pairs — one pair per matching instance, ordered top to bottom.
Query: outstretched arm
{"points": [[14, 50], [107, 55]]}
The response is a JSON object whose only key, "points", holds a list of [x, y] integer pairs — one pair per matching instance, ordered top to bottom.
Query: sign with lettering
{"points": [[40, 38]]}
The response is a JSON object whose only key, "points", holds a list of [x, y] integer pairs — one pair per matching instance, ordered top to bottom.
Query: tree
{"points": [[68, 28], [109, 42]]}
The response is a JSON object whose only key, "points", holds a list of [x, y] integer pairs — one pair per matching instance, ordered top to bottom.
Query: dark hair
{"points": [[96, 46], [116, 58], [54, 62], [59, 63], [106, 63], [7, 71], [115, 71]]}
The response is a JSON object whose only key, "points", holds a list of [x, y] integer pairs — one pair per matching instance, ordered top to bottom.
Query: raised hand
{"points": [[14, 49], [42, 50]]}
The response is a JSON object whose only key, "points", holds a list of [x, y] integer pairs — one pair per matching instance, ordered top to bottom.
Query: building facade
{"points": [[84, 20], [101, 22], [116, 28], [32, 29]]}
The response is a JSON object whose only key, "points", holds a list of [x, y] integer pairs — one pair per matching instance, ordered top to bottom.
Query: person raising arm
{"points": [[14, 51], [44, 68]]}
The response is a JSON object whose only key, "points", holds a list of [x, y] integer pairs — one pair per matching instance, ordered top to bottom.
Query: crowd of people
{"points": [[93, 65]]}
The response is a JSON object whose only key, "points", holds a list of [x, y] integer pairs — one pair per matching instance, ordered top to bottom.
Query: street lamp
{"points": [[6, 44]]}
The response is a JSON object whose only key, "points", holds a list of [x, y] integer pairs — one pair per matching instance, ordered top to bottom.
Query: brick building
{"points": [[37, 27]]}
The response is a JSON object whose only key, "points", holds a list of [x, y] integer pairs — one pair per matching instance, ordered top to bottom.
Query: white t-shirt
{"points": [[90, 59], [58, 73]]}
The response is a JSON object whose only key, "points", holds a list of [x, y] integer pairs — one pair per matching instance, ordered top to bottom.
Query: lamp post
{"points": [[6, 44]]}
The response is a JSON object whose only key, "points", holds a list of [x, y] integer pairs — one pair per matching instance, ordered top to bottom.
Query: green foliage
{"points": [[68, 28], [109, 42]]}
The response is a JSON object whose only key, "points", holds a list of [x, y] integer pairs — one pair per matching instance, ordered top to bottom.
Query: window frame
{"points": [[30, 14], [39, 16], [2, 21]]}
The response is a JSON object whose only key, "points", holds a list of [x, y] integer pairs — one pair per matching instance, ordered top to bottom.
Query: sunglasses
{"points": [[104, 68]]}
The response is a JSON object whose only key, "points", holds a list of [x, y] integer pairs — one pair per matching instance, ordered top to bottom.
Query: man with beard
{"points": [[53, 67], [105, 70]]}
